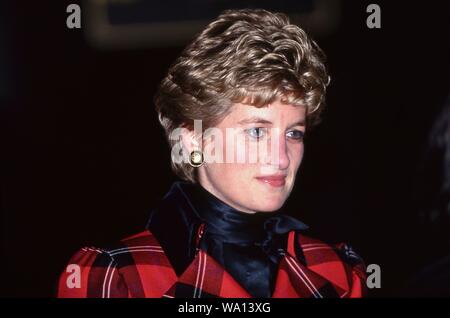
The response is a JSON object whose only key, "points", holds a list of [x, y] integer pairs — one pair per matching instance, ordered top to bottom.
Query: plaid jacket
{"points": [[156, 263], [140, 268]]}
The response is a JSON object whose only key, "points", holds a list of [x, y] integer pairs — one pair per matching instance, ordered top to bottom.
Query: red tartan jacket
{"points": [[152, 264]]}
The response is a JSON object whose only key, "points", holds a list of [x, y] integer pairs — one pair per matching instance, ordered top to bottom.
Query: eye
{"points": [[256, 132], [296, 134]]}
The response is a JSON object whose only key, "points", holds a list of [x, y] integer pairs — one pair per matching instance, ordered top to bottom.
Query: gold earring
{"points": [[196, 158]]}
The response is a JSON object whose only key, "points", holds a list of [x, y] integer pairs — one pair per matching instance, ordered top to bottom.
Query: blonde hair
{"points": [[249, 56]]}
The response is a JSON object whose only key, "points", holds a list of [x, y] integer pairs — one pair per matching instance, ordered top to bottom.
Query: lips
{"points": [[274, 180]]}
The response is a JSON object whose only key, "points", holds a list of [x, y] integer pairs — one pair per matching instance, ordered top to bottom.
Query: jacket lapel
{"points": [[302, 275], [205, 278], [295, 280]]}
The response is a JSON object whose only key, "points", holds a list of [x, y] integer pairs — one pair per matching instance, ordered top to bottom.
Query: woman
{"points": [[235, 106]]}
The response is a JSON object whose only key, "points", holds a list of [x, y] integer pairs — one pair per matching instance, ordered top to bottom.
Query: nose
{"points": [[283, 156], [278, 157]]}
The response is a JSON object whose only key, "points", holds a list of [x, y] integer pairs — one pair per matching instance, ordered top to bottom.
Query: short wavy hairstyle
{"points": [[249, 56]]}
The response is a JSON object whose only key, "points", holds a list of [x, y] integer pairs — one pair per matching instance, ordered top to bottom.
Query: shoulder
{"points": [[315, 250], [125, 252], [337, 262], [116, 271]]}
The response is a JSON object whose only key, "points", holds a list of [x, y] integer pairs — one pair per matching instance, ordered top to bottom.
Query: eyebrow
{"points": [[254, 120], [260, 120], [301, 122]]}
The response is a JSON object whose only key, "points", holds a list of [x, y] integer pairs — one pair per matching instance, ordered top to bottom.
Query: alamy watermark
{"points": [[73, 20], [373, 21], [232, 145]]}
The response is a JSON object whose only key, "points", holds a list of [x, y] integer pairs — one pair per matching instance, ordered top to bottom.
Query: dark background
{"points": [[83, 158]]}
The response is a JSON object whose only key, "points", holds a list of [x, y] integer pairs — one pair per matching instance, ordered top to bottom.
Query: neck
{"points": [[205, 182]]}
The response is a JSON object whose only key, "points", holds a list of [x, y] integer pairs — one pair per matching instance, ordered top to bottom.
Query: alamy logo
{"points": [[374, 19], [73, 20], [229, 146], [373, 276], [74, 278]]}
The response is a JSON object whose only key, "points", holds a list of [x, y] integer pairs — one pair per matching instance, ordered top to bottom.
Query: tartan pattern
{"points": [[138, 267]]}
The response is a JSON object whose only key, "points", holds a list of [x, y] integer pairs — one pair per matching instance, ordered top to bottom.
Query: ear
{"points": [[187, 138], [191, 140]]}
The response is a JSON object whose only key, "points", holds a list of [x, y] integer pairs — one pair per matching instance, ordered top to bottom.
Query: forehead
{"points": [[275, 112]]}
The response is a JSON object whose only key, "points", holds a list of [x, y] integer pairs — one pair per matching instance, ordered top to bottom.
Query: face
{"points": [[269, 141]]}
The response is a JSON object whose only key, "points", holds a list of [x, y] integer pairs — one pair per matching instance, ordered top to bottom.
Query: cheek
{"points": [[237, 149], [296, 154], [234, 168], [229, 174]]}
